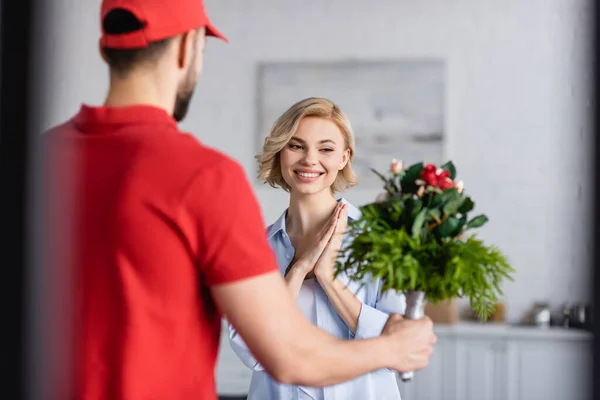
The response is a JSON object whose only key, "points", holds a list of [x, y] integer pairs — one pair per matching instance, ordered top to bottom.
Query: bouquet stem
{"points": [[415, 309]]}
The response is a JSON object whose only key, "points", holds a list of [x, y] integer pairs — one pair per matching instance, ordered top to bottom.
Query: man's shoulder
{"points": [[208, 152], [204, 158], [207, 173]]}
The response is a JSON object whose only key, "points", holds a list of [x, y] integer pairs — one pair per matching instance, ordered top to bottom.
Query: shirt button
{"points": [[288, 256]]}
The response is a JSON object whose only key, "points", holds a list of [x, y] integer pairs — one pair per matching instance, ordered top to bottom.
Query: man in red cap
{"points": [[160, 236]]}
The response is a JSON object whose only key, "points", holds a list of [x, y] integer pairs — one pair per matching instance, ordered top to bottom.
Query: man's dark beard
{"points": [[184, 96], [182, 102]]}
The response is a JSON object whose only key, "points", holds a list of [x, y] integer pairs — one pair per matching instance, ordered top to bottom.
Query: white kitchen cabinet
{"points": [[478, 362], [500, 362], [481, 369], [550, 369], [422, 385]]}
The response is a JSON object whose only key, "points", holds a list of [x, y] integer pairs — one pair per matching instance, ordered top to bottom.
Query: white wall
{"points": [[516, 104]]}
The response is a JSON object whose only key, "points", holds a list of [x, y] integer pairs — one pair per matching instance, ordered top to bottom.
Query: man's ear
{"points": [[186, 49]]}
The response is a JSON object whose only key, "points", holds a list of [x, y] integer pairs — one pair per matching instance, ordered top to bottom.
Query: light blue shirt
{"points": [[379, 385]]}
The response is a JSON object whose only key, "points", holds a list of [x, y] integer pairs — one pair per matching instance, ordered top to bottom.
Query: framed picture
{"points": [[396, 107]]}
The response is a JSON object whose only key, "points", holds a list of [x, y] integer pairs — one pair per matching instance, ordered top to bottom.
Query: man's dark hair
{"points": [[121, 61]]}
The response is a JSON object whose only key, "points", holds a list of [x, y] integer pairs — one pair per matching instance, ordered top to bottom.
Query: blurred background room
{"points": [[502, 88]]}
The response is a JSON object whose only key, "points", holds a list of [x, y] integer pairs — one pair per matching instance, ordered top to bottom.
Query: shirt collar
{"points": [[105, 118], [279, 225]]}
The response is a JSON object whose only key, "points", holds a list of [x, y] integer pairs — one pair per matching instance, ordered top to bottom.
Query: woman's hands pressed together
{"points": [[308, 259], [319, 259], [305, 265], [324, 268], [346, 304]]}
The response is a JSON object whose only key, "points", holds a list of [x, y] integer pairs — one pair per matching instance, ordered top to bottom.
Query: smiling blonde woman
{"points": [[309, 154]]}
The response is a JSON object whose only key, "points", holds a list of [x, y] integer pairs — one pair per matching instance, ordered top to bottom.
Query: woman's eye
{"points": [[295, 146], [327, 150]]}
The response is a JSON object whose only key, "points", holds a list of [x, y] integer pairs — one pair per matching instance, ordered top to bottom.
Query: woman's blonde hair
{"points": [[269, 164]]}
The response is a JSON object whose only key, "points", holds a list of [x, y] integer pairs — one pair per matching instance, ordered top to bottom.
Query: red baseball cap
{"points": [[161, 19]]}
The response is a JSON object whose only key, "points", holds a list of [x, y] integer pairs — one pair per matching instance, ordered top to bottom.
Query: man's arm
{"points": [[238, 265], [286, 344], [294, 351]]}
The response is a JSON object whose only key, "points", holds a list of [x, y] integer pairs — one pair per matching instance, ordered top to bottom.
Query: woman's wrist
{"points": [[302, 267], [326, 280]]}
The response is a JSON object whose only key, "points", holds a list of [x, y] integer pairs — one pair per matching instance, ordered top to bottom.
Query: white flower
{"points": [[396, 166], [460, 185]]}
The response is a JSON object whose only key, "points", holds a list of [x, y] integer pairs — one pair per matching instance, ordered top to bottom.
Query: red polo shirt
{"points": [[145, 220]]}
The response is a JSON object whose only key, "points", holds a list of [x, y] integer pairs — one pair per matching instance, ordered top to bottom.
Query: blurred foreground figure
{"points": [[152, 236]]}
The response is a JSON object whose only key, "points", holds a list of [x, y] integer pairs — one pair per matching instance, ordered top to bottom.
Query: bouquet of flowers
{"points": [[415, 238]]}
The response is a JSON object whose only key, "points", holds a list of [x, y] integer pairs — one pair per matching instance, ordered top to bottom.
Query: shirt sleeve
{"points": [[224, 224], [373, 317], [242, 351]]}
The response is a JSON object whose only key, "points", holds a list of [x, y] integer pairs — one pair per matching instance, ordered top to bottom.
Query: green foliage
{"points": [[414, 240]]}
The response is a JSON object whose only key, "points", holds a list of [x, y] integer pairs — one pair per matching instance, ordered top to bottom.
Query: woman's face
{"points": [[313, 157]]}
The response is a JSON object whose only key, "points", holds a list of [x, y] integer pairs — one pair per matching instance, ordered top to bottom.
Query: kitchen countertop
{"points": [[478, 329]]}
